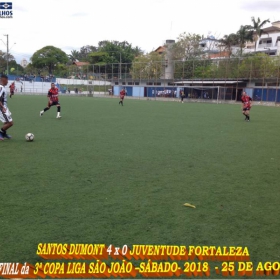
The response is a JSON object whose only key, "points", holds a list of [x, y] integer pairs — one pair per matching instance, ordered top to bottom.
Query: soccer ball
{"points": [[29, 137]]}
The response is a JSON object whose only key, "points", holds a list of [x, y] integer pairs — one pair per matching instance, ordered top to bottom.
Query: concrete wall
{"points": [[81, 82], [130, 91]]}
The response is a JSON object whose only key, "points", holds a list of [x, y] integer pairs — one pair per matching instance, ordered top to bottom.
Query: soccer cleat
{"points": [[41, 113], [58, 117], [1, 136], [7, 136]]}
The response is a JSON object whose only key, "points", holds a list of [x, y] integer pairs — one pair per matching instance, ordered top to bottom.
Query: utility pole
{"points": [[7, 53], [120, 65]]}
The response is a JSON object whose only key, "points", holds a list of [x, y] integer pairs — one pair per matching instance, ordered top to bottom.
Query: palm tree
{"points": [[257, 28], [244, 34], [228, 42], [75, 55]]}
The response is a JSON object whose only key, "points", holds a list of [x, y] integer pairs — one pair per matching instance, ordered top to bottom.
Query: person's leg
{"points": [[46, 109], [58, 111], [244, 113], [248, 115], [6, 119], [3, 131]]}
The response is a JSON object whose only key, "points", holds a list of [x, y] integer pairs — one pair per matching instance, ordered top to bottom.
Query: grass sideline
{"points": [[120, 175]]}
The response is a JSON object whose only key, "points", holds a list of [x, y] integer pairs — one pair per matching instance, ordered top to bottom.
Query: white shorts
{"points": [[6, 117]]}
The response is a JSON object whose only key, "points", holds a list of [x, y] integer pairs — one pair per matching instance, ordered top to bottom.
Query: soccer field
{"points": [[120, 175]]}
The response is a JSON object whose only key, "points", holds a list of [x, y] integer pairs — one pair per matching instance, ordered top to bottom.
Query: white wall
{"points": [[272, 46], [81, 82]]}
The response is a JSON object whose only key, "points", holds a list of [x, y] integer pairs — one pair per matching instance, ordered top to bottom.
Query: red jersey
{"points": [[12, 87], [122, 93], [53, 94], [246, 100]]}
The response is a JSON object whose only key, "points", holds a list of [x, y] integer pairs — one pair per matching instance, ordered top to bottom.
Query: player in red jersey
{"points": [[12, 89], [122, 95], [53, 101], [247, 104]]}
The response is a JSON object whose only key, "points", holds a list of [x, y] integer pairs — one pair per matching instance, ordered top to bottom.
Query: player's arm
{"points": [[49, 97], [250, 99], [242, 103], [2, 108]]}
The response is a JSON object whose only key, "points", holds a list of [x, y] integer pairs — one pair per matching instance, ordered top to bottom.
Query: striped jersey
{"points": [[53, 94], [3, 96]]}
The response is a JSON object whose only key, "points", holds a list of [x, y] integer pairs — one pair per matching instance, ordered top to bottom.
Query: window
{"points": [[265, 42], [116, 83], [123, 83], [130, 83], [136, 83], [149, 84], [157, 84], [272, 84]]}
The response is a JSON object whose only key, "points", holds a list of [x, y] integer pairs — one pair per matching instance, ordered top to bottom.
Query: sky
{"points": [[69, 25]]}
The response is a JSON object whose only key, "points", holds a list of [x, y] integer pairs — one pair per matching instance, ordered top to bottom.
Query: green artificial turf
{"points": [[120, 175]]}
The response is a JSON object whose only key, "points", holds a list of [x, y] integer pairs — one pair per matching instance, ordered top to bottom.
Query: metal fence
{"points": [[258, 67]]}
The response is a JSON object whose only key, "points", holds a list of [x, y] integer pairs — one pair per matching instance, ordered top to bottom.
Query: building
{"points": [[268, 43], [211, 47], [24, 63], [80, 64], [168, 65]]}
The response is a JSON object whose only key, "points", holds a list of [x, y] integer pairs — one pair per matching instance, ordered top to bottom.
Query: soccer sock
{"points": [[46, 109], [58, 109], [248, 117], [3, 131]]}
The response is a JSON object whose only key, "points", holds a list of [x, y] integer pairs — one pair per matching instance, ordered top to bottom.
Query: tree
{"points": [[257, 28], [244, 34], [228, 41], [187, 46], [85, 51], [75, 55], [112, 55], [49, 57], [12, 64], [149, 66], [259, 66]]}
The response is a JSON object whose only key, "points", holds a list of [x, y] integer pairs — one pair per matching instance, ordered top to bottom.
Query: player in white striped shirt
{"points": [[5, 114]]}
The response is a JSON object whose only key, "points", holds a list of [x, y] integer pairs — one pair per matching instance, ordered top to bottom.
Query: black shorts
{"points": [[55, 103], [246, 109]]}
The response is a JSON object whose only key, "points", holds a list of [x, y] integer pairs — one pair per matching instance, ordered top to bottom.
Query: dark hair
{"points": [[4, 76], [52, 83]]}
